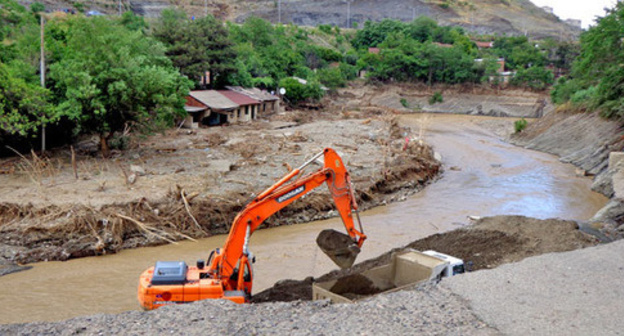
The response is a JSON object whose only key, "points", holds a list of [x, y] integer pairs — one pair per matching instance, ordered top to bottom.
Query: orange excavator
{"points": [[228, 274]]}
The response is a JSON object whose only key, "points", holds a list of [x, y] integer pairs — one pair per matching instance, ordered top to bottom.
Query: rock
{"points": [[221, 166], [137, 170], [132, 178], [603, 183], [613, 212]]}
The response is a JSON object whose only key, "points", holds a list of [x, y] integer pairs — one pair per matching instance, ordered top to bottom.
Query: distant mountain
{"points": [[510, 17]]}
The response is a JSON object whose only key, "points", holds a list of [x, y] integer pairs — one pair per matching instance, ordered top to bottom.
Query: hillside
{"points": [[511, 17]]}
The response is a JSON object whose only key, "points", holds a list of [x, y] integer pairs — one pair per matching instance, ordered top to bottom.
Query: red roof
{"points": [[484, 44], [373, 50], [238, 98]]}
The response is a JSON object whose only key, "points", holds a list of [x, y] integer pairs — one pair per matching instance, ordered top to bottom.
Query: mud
{"points": [[101, 215], [489, 243], [339, 247], [355, 286]]}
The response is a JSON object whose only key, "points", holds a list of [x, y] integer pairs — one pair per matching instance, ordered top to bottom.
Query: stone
{"points": [[138, 170]]}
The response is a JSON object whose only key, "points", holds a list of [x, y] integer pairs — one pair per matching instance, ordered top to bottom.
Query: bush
{"points": [[79, 6], [37, 7], [325, 28], [349, 72], [332, 78], [537, 78], [563, 90], [297, 92], [585, 97], [436, 98], [404, 102], [520, 125]]}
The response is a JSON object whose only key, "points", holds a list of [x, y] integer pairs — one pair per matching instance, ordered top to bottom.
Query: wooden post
{"points": [[42, 71]]}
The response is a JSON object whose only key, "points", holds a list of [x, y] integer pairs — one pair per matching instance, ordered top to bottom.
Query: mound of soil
{"points": [[490, 242], [355, 284]]}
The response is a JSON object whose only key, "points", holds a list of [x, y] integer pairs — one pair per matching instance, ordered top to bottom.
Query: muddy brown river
{"points": [[483, 176]]}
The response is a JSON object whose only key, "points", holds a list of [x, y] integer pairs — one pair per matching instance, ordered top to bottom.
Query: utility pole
{"points": [[119, 7], [205, 7], [279, 11], [349, 13], [42, 71]]}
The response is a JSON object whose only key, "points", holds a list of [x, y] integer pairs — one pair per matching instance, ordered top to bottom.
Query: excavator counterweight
{"points": [[227, 274]]}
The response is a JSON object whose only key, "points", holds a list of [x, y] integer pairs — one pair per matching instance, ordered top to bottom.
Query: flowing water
{"points": [[484, 176]]}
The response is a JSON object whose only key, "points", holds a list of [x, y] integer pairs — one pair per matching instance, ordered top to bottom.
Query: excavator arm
{"points": [[283, 193], [229, 275]]}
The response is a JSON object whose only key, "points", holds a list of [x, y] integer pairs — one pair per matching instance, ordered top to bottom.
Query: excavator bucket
{"points": [[339, 247]]}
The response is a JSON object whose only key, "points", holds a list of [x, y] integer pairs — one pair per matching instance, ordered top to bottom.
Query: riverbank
{"points": [[585, 140], [190, 184]]}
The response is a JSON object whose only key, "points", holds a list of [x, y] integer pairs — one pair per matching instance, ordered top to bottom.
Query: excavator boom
{"points": [[228, 272]]}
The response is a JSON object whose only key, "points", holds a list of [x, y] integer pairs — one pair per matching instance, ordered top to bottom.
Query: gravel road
{"points": [[571, 293], [424, 311]]}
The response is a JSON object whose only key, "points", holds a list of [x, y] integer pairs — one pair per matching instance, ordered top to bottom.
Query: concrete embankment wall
{"points": [[473, 100], [587, 141]]}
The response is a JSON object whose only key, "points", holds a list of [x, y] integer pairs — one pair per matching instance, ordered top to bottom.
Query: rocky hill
{"points": [[510, 17]]}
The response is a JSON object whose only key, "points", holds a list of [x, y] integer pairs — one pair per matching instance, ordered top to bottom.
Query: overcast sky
{"points": [[585, 10]]}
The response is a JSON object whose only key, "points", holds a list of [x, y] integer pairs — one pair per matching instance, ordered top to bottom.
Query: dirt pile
{"points": [[191, 183], [490, 242], [339, 247], [355, 286]]}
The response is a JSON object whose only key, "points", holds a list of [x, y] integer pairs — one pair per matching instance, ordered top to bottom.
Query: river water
{"points": [[483, 176]]}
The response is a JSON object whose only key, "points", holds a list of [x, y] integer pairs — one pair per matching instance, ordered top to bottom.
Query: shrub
{"points": [[79, 6], [37, 7], [325, 28], [349, 72], [332, 78], [537, 78], [563, 90], [297, 92], [584, 97], [436, 98], [404, 102], [520, 125]]}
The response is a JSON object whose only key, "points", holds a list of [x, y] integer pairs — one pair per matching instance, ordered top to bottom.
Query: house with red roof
{"points": [[484, 45], [212, 107], [247, 107]]}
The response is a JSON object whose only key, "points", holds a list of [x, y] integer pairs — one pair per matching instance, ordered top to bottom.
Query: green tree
{"points": [[133, 21], [374, 34], [197, 46], [518, 52], [600, 62], [110, 76], [332, 78], [537, 78], [297, 92], [23, 106]]}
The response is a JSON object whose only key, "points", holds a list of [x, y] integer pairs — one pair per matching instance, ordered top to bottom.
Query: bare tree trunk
{"points": [[104, 146]]}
